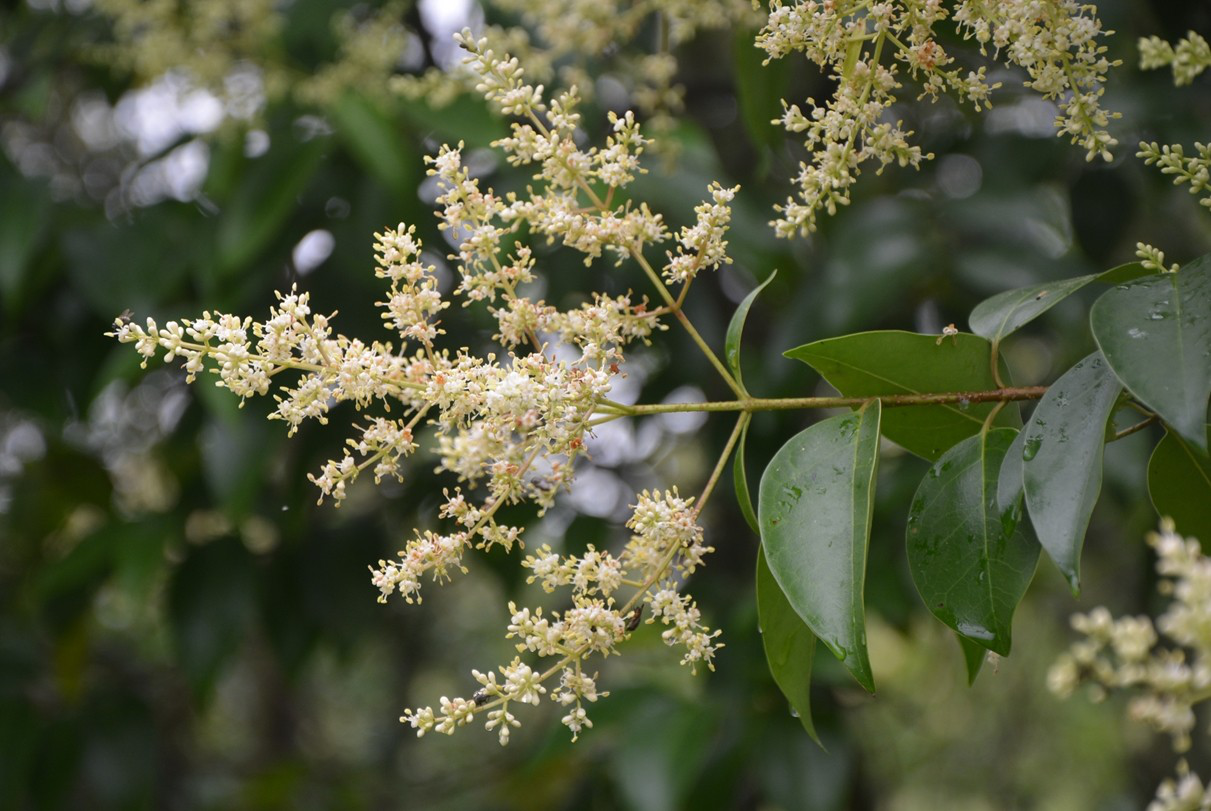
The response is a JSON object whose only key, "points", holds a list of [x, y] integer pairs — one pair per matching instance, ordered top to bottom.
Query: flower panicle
{"points": [[868, 49], [509, 425], [666, 547], [1166, 683]]}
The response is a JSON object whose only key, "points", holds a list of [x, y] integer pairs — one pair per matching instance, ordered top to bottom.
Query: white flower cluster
{"points": [[593, 26], [206, 40], [1059, 45], [865, 47], [234, 50], [1188, 58], [1173, 161], [574, 204], [703, 245], [1153, 258], [509, 426], [667, 543], [1122, 653], [1186, 793]]}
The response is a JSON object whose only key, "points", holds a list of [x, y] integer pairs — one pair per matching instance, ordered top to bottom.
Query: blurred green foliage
{"points": [[180, 626]]}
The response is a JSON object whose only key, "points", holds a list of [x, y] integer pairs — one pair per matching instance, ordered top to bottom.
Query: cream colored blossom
{"points": [[869, 48], [1188, 58], [1193, 170], [1153, 258], [510, 425], [1165, 683], [1186, 793]]}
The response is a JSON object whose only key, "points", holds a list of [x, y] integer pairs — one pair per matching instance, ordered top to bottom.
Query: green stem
{"points": [[685, 322], [994, 359], [888, 400], [1138, 407], [992, 415], [1139, 426], [722, 463]]}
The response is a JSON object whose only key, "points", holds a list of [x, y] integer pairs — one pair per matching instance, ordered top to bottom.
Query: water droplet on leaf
{"points": [[1031, 448]]}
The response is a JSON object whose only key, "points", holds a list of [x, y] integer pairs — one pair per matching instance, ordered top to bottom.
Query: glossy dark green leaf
{"points": [[1125, 273], [1005, 313], [735, 328], [1156, 336], [892, 362], [1062, 459], [740, 482], [1179, 483], [1010, 489], [814, 510], [970, 560], [789, 645], [973, 657]]}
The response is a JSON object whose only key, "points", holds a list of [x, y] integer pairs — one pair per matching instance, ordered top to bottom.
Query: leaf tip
{"points": [[973, 658], [859, 668]]}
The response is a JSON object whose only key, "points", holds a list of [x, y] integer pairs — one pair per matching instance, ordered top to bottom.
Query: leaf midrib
{"points": [[1026, 297], [1181, 344], [1194, 460], [986, 557], [857, 608]]}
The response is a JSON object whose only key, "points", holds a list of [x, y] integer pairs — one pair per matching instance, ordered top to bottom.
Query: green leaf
{"points": [[760, 89], [467, 119], [376, 142], [263, 202], [1125, 273], [1007, 312], [735, 328], [1156, 336], [868, 364], [1062, 459], [740, 482], [1179, 483], [1010, 489], [814, 509], [970, 560], [789, 645], [973, 657]]}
